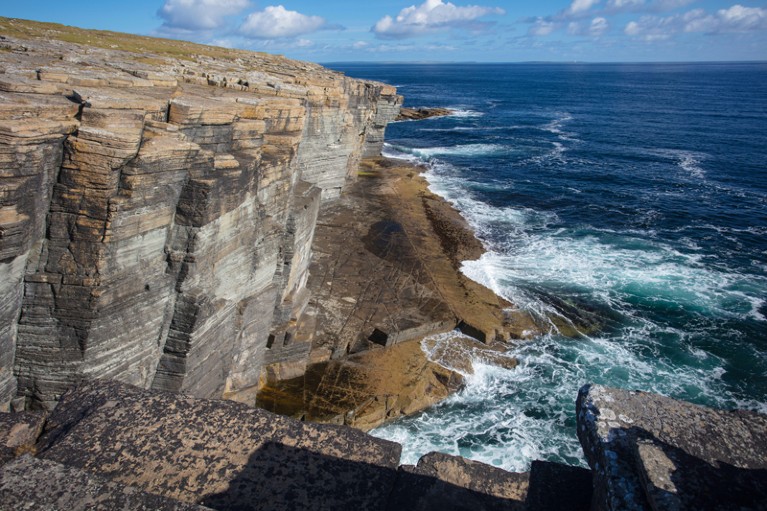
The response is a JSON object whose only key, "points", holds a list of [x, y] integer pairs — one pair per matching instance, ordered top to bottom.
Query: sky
{"points": [[437, 30]]}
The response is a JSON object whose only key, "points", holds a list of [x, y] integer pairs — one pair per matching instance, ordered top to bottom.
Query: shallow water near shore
{"points": [[637, 193]]}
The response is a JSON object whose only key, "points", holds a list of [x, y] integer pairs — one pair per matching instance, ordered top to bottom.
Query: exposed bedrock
{"points": [[156, 219], [109, 445], [650, 452]]}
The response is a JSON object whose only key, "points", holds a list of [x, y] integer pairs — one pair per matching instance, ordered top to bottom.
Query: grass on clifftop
{"points": [[26, 29]]}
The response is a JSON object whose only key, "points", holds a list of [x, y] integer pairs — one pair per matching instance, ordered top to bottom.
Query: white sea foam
{"points": [[464, 112], [556, 127], [688, 161], [508, 418]]}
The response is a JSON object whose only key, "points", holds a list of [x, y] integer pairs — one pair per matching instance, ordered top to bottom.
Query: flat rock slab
{"points": [[19, 433], [653, 452], [221, 454], [444, 482], [29, 483]]}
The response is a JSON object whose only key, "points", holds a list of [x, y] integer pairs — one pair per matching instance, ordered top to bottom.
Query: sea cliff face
{"points": [[158, 207]]}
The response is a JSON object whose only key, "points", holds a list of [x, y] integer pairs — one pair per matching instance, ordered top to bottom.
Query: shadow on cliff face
{"points": [[282, 477]]}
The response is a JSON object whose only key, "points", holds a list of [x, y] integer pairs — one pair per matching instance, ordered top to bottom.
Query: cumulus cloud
{"points": [[581, 6], [195, 15], [429, 16], [737, 18], [277, 22], [543, 27], [596, 28]]}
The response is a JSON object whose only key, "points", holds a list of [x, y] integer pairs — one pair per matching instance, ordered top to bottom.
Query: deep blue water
{"points": [[635, 190]]}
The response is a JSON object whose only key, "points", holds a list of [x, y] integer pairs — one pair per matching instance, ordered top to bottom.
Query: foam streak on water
{"points": [[630, 194]]}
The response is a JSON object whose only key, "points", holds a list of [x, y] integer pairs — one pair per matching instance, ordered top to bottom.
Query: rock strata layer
{"points": [[417, 114], [159, 201]]}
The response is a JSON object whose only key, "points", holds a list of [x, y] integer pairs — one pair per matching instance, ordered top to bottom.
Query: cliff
{"points": [[159, 201]]}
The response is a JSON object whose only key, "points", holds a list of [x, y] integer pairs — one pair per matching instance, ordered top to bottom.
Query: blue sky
{"points": [[437, 30]]}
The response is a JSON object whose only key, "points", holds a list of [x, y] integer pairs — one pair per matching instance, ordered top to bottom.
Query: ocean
{"points": [[634, 192]]}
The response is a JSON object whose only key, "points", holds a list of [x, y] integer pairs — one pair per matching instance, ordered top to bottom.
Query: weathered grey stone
{"points": [[19, 433], [652, 452], [221, 454], [445, 482], [34, 484]]}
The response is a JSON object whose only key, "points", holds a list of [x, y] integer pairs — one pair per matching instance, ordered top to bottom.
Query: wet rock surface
{"points": [[386, 273], [652, 452]]}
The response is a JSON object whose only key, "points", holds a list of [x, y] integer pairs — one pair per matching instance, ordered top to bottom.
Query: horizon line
{"points": [[440, 62]]}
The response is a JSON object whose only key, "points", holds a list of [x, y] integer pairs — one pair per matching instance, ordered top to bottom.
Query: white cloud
{"points": [[624, 5], [669, 5], [581, 6], [199, 14], [429, 16], [734, 19], [741, 19], [277, 22], [598, 26], [542, 27]]}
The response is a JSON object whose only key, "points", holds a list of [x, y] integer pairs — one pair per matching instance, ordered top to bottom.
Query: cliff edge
{"points": [[158, 205]]}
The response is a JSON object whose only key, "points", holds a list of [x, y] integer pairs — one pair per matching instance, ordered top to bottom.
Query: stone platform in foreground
{"points": [[109, 445], [119, 446]]}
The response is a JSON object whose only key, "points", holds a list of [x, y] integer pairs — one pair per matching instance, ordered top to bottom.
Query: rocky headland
{"points": [[420, 113], [183, 223]]}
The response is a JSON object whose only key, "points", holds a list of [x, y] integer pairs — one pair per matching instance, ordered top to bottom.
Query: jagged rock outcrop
{"points": [[158, 206], [652, 452]]}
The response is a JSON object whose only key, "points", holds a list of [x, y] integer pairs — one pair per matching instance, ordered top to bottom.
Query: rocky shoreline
{"points": [[386, 274]]}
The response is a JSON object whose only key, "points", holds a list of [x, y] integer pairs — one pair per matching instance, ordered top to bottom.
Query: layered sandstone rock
{"points": [[157, 210]]}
